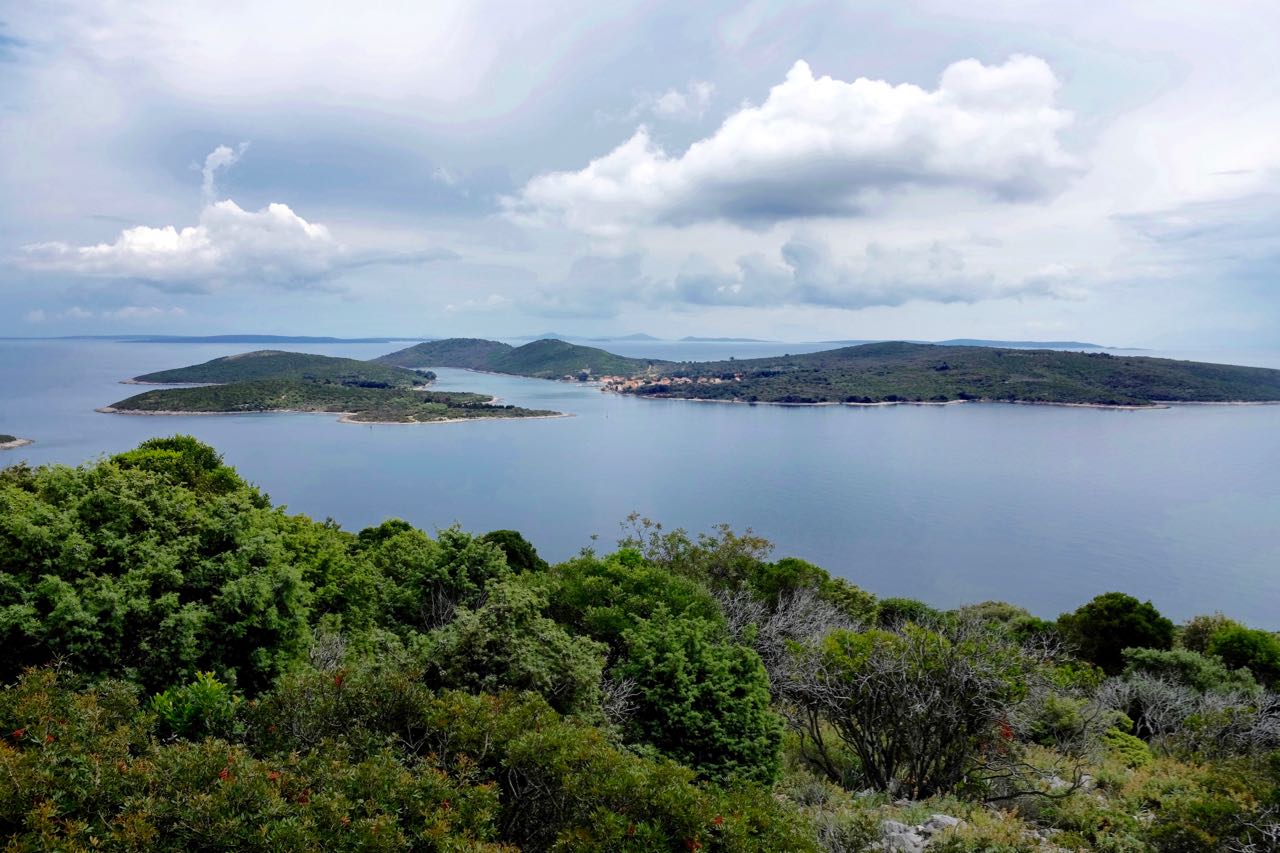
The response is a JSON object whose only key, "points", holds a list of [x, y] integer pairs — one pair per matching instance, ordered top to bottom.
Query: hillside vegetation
{"points": [[544, 359], [276, 364], [905, 372], [361, 403], [185, 666]]}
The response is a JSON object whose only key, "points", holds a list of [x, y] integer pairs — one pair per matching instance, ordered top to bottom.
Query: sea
{"points": [[1043, 506]]}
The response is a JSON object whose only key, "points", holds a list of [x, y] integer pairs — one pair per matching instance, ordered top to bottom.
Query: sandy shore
{"points": [[1121, 408], [343, 417], [17, 442]]}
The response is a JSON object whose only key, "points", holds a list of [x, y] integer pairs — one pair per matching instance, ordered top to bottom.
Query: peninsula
{"points": [[901, 372], [873, 373], [274, 381], [9, 442]]}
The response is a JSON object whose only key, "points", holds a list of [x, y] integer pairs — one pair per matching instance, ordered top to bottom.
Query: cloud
{"points": [[685, 105], [824, 147], [219, 158], [228, 245], [272, 245], [806, 273], [126, 313]]}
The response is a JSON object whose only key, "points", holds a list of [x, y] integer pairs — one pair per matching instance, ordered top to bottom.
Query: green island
{"points": [[544, 359], [277, 364], [875, 373], [927, 373], [274, 381], [10, 442], [184, 665]]}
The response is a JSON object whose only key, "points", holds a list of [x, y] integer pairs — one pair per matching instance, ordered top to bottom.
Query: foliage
{"points": [[545, 359], [277, 364], [520, 553], [146, 571], [896, 611], [1103, 628], [1197, 633], [507, 643], [1256, 651], [1192, 669], [703, 701], [920, 707], [204, 708], [1127, 749]]}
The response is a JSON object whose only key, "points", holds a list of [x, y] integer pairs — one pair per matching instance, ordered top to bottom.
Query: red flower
{"points": [[337, 679], [1006, 731], [17, 733], [49, 738], [224, 774], [273, 775], [304, 797], [445, 805], [717, 820], [631, 830], [692, 844]]}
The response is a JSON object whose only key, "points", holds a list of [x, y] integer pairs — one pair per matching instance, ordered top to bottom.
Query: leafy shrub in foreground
{"points": [[1256, 651], [204, 708]]}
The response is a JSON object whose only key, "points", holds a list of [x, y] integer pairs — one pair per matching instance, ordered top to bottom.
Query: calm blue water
{"points": [[1043, 506]]}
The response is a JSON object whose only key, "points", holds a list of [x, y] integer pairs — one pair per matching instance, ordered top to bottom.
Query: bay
{"points": [[1039, 505]]}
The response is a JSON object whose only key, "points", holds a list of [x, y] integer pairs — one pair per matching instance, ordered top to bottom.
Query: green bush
{"points": [[520, 553], [138, 570], [897, 611], [1112, 622], [508, 644], [1256, 651], [1192, 669], [701, 700], [204, 708], [1127, 749]]}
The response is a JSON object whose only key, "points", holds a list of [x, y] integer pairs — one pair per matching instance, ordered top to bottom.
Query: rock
{"points": [[938, 822], [900, 838]]}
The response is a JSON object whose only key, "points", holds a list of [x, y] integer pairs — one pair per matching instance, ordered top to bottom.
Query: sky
{"points": [[788, 170]]}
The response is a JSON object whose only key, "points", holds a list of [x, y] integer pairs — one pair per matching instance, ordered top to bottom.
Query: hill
{"points": [[545, 359], [276, 364], [907, 372], [359, 403]]}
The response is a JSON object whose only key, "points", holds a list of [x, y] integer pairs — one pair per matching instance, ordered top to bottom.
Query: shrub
{"points": [[520, 553], [895, 611], [1112, 622], [1197, 633], [508, 644], [1257, 651], [1193, 669], [701, 700], [917, 706], [204, 708], [1127, 749]]}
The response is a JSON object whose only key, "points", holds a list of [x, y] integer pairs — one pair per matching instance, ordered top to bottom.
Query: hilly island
{"points": [[893, 372], [274, 381]]}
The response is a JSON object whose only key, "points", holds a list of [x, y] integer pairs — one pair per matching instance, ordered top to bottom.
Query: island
{"points": [[543, 359], [899, 372], [880, 373], [275, 381], [9, 442]]}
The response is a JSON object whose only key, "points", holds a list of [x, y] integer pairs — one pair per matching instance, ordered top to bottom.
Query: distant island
{"points": [[542, 359], [875, 373], [927, 373], [275, 381], [9, 442]]}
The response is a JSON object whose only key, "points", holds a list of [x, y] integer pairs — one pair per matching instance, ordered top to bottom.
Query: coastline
{"points": [[1134, 407], [343, 417], [16, 443]]}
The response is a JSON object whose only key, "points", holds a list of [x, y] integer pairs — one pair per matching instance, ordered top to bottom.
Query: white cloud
{"points": [[686, 105], [824, 147], [221, 157], [272, 245], [36, 315]]}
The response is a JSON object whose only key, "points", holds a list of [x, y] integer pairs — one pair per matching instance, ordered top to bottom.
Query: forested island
{"points": [[542, 359], [875, 373], [928, 373], [275, 381], [9, 442], [184, 665]]}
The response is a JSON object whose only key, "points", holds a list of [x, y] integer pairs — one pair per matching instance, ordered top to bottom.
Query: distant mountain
{"points": [[545, 336], [638, 336], [256, 339], [696, 340], [978, 342], [545, 359], [275, 364]]}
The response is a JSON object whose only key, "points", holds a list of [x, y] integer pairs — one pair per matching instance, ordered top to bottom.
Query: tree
{"points": [[520, 553], [1102, 629], [507, 643], [1257, 651], [703, 701], [920, 707]]}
